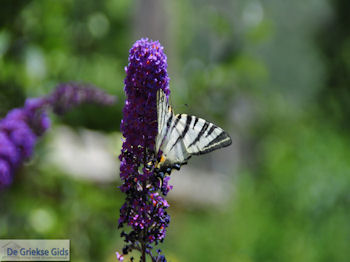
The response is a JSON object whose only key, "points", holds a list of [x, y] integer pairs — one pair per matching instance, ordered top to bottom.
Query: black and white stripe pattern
{"points": [[181, 136]]}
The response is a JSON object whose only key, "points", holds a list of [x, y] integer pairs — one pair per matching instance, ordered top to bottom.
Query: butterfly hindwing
{"points": [[180, 136], [173, 148]]}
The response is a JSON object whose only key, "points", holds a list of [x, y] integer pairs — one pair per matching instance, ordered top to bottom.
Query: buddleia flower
{"points": [[69, 95], [21, 127], [144, 211]]}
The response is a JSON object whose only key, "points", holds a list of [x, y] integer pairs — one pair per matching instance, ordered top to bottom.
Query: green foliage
{"points": [[334, 41]]}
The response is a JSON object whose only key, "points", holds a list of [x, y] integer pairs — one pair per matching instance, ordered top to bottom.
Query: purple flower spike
{"points": [[67, 96], [21, 127], [18, 134], [144, 208]]}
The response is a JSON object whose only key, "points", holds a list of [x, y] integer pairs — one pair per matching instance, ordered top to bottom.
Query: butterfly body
{"points": [[181, 136]]}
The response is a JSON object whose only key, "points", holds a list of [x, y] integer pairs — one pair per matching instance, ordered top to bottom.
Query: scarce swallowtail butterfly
{"points": [[181, 136]]}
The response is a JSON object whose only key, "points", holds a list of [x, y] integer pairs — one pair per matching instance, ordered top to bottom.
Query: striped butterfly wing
{"points": [[164, 118], [167, 122], [181, 136], [201, 136]]}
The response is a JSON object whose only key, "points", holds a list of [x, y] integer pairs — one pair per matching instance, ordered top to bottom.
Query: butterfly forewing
{"points": [[164, 118], [201, 136]]}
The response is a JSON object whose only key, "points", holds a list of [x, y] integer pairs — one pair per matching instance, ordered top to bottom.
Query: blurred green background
{"points": [[275, 74]]}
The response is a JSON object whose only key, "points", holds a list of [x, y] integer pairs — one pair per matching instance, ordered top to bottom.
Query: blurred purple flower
{"points": [[67, 96], [21, 127], [18, 134], [144, 208]]}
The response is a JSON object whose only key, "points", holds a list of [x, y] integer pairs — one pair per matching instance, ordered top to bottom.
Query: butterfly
{"points": [[182, 136]]}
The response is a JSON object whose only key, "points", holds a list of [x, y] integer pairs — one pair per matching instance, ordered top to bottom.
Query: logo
{"points": [[34, 250]]}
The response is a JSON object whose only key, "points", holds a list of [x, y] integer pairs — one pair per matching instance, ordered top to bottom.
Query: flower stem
{"points": [[143, 257]]}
